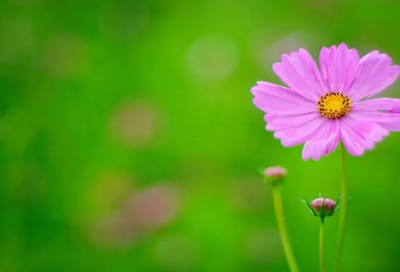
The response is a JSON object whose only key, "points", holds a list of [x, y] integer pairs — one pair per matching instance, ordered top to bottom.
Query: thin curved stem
{"points": [[343, 210], [282, 229], [321, 247]]}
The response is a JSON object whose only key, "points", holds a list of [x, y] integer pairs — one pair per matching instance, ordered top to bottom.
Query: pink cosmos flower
{"points": [[322, 106]]}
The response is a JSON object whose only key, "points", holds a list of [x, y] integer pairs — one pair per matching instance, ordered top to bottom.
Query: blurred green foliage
{"points": [[128, 140]]}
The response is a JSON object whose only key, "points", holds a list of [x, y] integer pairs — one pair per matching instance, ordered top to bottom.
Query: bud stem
{"points": [[276, 194], [343, 211], [321, 246]]}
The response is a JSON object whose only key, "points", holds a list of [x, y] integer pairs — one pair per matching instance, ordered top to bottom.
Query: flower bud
{"points": [[274, 174], [328, 204], [322, 207]]}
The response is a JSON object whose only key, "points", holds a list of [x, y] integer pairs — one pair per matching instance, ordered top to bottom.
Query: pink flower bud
{"points": [[274, 174], [329, 205]]}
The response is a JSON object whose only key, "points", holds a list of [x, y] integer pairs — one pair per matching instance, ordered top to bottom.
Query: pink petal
{"points": [[338, 67], [301, 74], [374, 74], [270, 97], [378, 104], [377, 117], [388, 120], [280, 121], [391, 126], [373, 132], [299, 133], [359, 134], [324, 141], [331, 142], [354, 143], [311, 150]]}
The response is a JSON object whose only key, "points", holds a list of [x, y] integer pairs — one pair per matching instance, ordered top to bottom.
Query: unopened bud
{"points": [[274, 174], [328, 204], [323, 207]]}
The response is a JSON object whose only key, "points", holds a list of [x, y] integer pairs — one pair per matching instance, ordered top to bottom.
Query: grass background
{"points": [[128, 140]]}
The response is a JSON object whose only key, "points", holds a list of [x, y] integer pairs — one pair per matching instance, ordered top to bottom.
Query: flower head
{"points": [[322, 106]]}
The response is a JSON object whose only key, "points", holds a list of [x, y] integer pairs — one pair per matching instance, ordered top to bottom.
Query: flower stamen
{"points": [[334, 105]]}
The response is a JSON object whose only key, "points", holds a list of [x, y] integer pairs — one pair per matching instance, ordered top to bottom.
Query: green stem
{"points": [[343, 211], [282, 229], [321, 247]]}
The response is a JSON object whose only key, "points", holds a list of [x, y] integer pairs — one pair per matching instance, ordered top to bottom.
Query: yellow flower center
{"points": [[334, 105]]}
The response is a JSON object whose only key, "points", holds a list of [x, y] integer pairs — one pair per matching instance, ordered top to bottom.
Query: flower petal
{"points": [[338, 67], [301, 74], [374, 74], [270, 97], [378, 104], [376, 117], [388, 120], [281, 121], [391, 126], [373, 131], [300, 132], [359, 134], [332, 140], [324, 141], [353, 142]]}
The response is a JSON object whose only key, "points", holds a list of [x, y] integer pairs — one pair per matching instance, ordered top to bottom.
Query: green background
{"points": [[128, 140]]}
